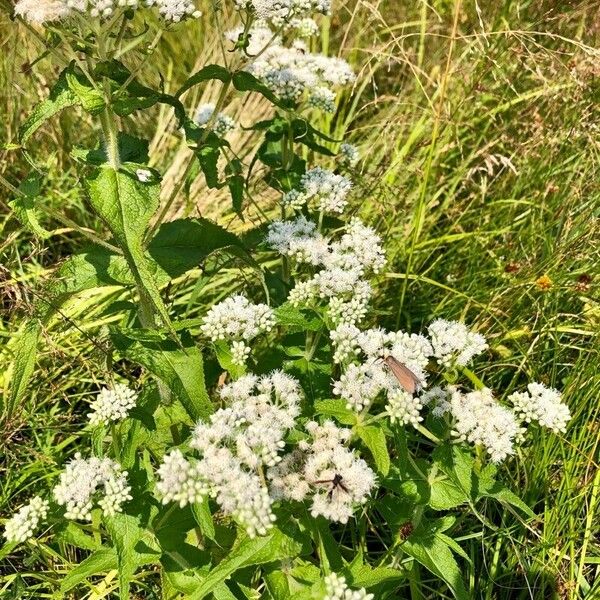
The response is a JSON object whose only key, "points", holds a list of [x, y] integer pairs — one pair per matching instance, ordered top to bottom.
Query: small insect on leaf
{"points": [[406, 378]]}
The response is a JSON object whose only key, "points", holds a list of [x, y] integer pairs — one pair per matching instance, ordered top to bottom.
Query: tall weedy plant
{"points": [[324, 457]]}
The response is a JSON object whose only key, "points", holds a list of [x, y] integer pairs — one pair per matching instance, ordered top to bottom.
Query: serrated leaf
{"points": [[205, 74], [243, 81], [61, 97], [90, 98], [24, 205], [126, 206], [183, 244], [296, 320], [23, 365], [179, 368], [336, 409], [374, 439], [501, 493], [445, 494], [203, 517], [276, 545], [132, 549], [434, 554], [102, 560], [368, 577]]}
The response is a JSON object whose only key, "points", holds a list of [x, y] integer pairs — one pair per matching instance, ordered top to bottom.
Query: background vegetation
{"points": [[478, 127]]}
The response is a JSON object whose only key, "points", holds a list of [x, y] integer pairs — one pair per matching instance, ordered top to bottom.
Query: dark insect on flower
{"points": [[406, 378], [336, 483], [405, 530]]}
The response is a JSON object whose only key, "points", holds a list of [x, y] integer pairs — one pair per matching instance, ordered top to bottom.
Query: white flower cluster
{"points": [[46, 11], [280, 11], [259, 37], [292, 73], [221, 125], [349, 155], [329, 190], [345, 263], [238, 320], [454, 344], [365, 375], [112, 404], [543, 405], [260, 410], [481, 420], [234, 445], [326, 470], [88, 481], [22, 525], [336, 588]]}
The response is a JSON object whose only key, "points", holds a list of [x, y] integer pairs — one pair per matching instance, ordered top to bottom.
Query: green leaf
{"points": [[205, 74], [246, 82], [61, 97], [90, 98], [131, 149], [208, 157], [235, 183], [24, 204], [126, 205], [181, 245], [296, 320], [223, 354], [22, 366], [179, 368], [336, 409], [374, 439], [501, 493], [445, 494], [203, 517], [72, 533], [276, 545], [434, 554], [102, 560], [368, 577]]}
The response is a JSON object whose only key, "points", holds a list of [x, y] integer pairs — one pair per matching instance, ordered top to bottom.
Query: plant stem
{"points": [[111, 138]]}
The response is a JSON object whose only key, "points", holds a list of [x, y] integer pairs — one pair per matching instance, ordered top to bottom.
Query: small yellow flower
{"points": [[544, 282]]}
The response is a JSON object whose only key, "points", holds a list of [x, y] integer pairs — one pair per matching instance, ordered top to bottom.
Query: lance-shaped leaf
{"points": [[205, 74], [61, 96], [24, 204], [126, 205], [179, 367]]}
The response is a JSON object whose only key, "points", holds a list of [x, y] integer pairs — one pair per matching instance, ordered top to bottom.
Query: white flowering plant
{"points": [[284, 445]]}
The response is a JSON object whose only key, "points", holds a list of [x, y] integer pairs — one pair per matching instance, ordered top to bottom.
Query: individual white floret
{"points": [[221, 125], [454, 344], [112, 404], [542, 405], [480, 420], [85, 481], [23, 524], [336, 588]]}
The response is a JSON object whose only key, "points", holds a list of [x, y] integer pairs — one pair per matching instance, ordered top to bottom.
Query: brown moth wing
{"points": [[406, 378]]}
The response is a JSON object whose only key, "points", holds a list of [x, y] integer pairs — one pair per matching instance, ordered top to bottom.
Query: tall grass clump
{"points": [[304, 326]]}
